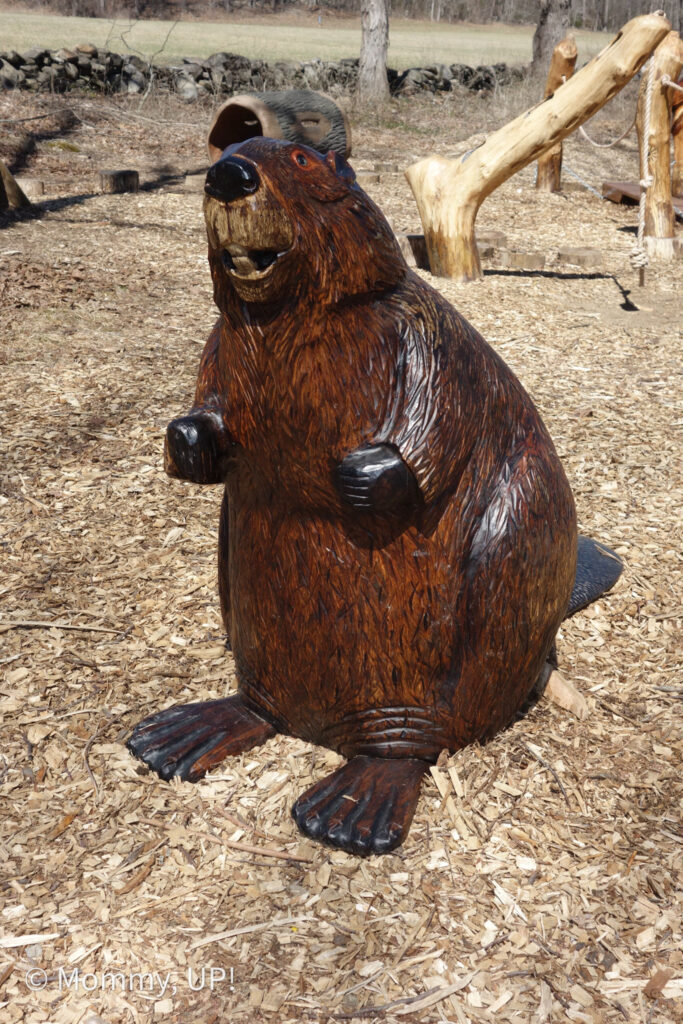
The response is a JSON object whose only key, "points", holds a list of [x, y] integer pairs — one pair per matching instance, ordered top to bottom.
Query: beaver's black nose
{"points": [[231, 177]]}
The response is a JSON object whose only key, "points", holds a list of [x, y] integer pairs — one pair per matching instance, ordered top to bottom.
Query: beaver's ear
{"points": [[340, 167]]}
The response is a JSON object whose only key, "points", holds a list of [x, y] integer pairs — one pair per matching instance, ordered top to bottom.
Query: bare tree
{"points": [[552, 26], [373, 84]]}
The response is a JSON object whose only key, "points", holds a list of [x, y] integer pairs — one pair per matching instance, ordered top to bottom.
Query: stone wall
{"points": [[89, 69]]}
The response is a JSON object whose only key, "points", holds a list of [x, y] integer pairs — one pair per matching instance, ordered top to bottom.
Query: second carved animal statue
{"points": [[398, 541]]}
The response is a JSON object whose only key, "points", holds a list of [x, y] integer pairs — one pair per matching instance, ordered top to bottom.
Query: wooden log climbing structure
{"points": [[449, 192]]}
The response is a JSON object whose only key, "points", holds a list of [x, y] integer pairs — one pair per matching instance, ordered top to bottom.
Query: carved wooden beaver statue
{"points": [[397, 542]]}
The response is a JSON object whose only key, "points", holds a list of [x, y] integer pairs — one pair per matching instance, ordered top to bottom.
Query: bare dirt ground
{"points": [[541, 880]]}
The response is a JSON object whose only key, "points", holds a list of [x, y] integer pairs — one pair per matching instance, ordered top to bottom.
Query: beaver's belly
{"points": [[333, 640], [398, 650]]}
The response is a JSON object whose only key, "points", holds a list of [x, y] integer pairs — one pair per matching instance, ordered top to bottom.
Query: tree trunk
{"points": [[552, 26], [373, 84], [549, 171], [450, 192], [660, 221]]}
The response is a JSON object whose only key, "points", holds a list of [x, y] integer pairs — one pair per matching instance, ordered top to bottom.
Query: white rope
{"points": [[666, 81], [605, 145], [639, 258]]}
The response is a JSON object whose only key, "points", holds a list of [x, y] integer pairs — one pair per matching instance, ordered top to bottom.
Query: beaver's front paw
{"points": [[197, 448], [374, 478]]}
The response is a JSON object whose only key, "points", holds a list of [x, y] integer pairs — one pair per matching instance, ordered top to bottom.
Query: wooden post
{"points": [[676, 99], [549, 170], [450, 192], [10, 193], [660, 222]]}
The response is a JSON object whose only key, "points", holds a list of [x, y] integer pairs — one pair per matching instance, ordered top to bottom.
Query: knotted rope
{"points": [[666, 81]]}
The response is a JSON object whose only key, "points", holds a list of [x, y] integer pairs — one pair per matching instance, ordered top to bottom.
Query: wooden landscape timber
{"points": [[549, 171], [449, 192], [629, 192], [660, 221]]}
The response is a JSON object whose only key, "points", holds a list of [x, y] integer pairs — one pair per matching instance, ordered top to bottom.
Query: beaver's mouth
{"points": [[249, 263]]}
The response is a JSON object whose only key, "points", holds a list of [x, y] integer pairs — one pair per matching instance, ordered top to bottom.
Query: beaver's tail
{"points": [[597, 570]]}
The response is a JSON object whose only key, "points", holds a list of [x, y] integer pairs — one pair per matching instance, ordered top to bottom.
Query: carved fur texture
{"points": [[397, 540], [391, 632]]}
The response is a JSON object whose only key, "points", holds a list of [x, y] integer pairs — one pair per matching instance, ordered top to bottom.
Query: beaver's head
{"points": [[284, 222]]}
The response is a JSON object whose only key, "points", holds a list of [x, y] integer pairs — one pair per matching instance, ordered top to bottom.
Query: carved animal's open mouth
{"points": [[253, 239], [249, 263]]}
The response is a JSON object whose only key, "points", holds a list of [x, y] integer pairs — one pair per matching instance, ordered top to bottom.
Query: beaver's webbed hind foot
{"points": [[187, 740], [364, 807]]}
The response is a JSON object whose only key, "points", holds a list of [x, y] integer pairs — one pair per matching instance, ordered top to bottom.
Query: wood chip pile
{"points": [[541, 880]]}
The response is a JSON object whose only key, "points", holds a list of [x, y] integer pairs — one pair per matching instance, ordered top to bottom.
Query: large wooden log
{"points": [[298, 115], [677, 134], [549, 169], [450, 192], [660, 221]]}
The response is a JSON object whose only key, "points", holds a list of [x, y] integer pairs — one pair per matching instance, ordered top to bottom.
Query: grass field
{"points": [[412, 43]]}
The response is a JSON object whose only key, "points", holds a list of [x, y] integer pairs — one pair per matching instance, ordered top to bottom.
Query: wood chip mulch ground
{"points": [[541, 880]]}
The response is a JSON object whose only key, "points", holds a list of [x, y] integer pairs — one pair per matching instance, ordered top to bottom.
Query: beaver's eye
{"points": [[301, 160]]}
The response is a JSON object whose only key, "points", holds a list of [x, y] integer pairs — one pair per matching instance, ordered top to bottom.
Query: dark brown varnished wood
{"points": [[398, 537], [188, 740], [366, 806]]}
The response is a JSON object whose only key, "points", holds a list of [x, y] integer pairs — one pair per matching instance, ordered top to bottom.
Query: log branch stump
{"points": [[549, 168], [119, 181], [450, 192], [11, 194], [660, 222]]}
